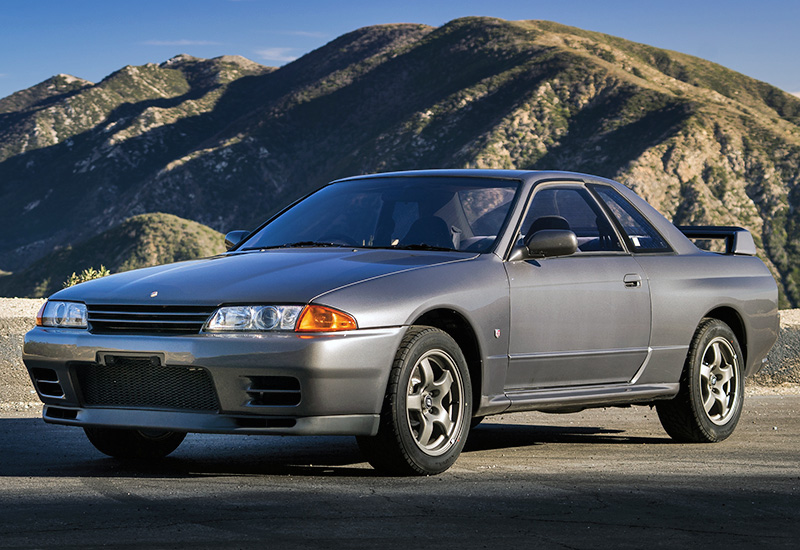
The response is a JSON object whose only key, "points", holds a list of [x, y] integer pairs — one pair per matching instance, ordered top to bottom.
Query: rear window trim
{"points": [[633, 248]]}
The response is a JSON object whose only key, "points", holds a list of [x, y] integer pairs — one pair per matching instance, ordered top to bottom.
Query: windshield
{"points": [[422, 213]]}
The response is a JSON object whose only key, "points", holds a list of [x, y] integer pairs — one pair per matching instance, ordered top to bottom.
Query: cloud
{"points": [[306, 34], [181, 43], [281, 55], [795, 93]]}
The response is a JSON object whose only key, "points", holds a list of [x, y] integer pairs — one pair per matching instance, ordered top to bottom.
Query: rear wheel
{"points": [[709, 403], [427, 408], [132, 443]]}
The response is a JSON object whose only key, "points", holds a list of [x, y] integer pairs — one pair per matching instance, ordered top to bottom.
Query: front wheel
{"points": [[709, 403], [427, 408], [132, 443]]}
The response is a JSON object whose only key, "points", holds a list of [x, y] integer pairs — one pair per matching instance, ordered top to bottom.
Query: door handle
{"points": [[632, 280]]}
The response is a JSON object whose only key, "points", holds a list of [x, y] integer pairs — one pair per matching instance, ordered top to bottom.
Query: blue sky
{"points": [[91, 38]]}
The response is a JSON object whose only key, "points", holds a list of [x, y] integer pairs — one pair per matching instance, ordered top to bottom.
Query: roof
{"points": [[525, 175]]}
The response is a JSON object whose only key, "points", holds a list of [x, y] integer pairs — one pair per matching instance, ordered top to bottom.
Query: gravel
{"points": [[16, 308], [783, 362], [780, 375]]}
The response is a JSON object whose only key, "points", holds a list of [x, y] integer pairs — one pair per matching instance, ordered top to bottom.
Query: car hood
{"points": [[279, 276]]}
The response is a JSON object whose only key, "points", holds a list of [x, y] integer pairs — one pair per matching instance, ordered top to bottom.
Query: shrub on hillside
{"points": [[86, 275]]}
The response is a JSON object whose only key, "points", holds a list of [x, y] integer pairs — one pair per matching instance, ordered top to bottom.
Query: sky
{"points": [[91, 39]]}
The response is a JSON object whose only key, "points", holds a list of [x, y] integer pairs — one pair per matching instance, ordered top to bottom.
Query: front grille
{"points": [[125, 319], [135, 382]]}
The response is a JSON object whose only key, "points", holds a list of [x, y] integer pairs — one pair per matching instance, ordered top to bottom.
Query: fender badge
{"points": [[154, 294]]}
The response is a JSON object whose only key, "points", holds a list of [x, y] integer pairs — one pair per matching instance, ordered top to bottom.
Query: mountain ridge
{"points": [[227, 142], [140, 241]]}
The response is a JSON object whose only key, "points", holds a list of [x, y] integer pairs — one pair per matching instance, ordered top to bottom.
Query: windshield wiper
{"points": [[299, 244], [303, 244], [312, 244], [422, 246]]}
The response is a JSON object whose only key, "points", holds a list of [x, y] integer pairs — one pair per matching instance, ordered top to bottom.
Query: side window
{"points": [[574, 209], [642, 236]]}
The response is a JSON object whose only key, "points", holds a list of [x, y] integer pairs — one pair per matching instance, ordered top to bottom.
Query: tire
{"points": [[709, 403], [427, 408], [475, 421], [131, 443]]}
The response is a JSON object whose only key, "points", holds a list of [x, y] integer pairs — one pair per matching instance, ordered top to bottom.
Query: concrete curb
{"points": [[17, 316]]}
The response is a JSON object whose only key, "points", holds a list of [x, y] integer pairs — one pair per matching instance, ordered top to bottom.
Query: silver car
{"points": [[402, 308]]}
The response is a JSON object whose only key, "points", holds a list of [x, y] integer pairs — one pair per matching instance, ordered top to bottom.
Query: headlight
{"points": [[62, 315], [254, 318], [312, 318]]}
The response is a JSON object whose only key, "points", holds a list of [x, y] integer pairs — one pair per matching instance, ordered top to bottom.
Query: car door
{"points": [[581, 319]]}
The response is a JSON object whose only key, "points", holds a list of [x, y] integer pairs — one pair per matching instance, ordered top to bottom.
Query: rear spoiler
{"points": [[737, 239]]}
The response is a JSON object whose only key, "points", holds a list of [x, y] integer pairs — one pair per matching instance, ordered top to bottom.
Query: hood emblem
{"points": [[154, 294]]}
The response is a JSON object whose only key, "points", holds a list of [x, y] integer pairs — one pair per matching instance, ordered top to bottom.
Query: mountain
{"points": [[227, 142], [140, 241]]}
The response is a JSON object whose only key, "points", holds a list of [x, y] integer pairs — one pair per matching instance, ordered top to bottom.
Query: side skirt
{"points": [[585, 397]]}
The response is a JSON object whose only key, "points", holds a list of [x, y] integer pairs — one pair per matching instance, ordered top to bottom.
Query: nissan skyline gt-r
{"points": [[402, 308]]}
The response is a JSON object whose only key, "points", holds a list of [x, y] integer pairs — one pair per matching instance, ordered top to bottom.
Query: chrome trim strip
{"points": [[583, 353]]}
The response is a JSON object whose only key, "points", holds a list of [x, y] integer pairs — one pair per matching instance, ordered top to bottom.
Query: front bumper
{"points": [[337, 380]]}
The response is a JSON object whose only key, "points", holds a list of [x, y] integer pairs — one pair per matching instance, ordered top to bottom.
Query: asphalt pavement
{"points": [[607, 478]]}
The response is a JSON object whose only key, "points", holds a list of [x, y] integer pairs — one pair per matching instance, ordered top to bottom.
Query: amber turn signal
{"points": [[39, 316], [324, 319]]}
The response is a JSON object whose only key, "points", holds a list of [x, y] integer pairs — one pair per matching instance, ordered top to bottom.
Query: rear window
{"points": [[640, 233]]}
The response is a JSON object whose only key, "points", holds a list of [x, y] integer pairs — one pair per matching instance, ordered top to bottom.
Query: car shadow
{"points": [[486, 437], [33, 448], [318, 464]]}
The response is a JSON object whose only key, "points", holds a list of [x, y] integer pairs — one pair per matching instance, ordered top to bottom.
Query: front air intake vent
{"points": [[125, 319], [135, 382], [47, 383], [274, 391], [60, 414], [261, 422]]}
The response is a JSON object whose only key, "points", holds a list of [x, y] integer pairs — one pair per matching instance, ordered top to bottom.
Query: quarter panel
{"points": [[685, 288]]}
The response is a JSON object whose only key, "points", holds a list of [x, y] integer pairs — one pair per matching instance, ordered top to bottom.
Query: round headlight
{"points": [[61, 314], [254, 318], [267, 318]]}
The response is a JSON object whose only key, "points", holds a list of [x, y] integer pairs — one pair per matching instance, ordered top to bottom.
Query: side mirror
{"points": [[234, 239], [551, 242]]}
